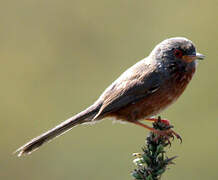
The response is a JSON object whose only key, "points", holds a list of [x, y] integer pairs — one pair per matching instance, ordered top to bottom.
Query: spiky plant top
{"points": [[153, 162]]}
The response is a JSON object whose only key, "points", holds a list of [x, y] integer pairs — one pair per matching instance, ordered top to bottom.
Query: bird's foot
{"points": [[162, 129], [166, 135]]}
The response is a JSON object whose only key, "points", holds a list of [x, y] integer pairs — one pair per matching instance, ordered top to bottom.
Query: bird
{"points": [[141, 92]]}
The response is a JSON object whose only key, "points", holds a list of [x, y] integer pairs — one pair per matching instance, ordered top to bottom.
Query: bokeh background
{"points": [[58, 56]]}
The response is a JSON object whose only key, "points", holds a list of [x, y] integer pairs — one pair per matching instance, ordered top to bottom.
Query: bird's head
{"points": [[176, 49]]}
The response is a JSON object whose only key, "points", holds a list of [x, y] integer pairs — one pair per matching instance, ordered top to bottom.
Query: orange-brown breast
{"points": [[157, 101]]}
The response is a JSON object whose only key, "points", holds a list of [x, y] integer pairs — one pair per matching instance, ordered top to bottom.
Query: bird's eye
{"points": [[178, 53]]}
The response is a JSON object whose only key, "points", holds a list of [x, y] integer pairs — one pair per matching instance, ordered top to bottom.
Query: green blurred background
{"points": [[58, 56]]}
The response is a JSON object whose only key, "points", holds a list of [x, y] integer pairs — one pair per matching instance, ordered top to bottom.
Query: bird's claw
{"points": [[167, 134], [177, 136]]}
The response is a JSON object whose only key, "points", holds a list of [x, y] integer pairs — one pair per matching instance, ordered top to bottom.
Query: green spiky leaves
{"points": [[153, 162]]}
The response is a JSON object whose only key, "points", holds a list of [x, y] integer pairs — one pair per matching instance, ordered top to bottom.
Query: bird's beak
{"points": [[200, 56], [190, 58]]}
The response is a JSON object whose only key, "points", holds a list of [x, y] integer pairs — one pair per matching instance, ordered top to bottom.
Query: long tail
{"points": [[84, 116]]}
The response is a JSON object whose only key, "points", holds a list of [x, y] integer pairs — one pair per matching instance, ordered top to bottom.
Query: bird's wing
{"points": [[133, 85]]}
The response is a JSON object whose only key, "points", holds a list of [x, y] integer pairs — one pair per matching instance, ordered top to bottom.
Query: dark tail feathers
{"points": [[84, 116]]}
